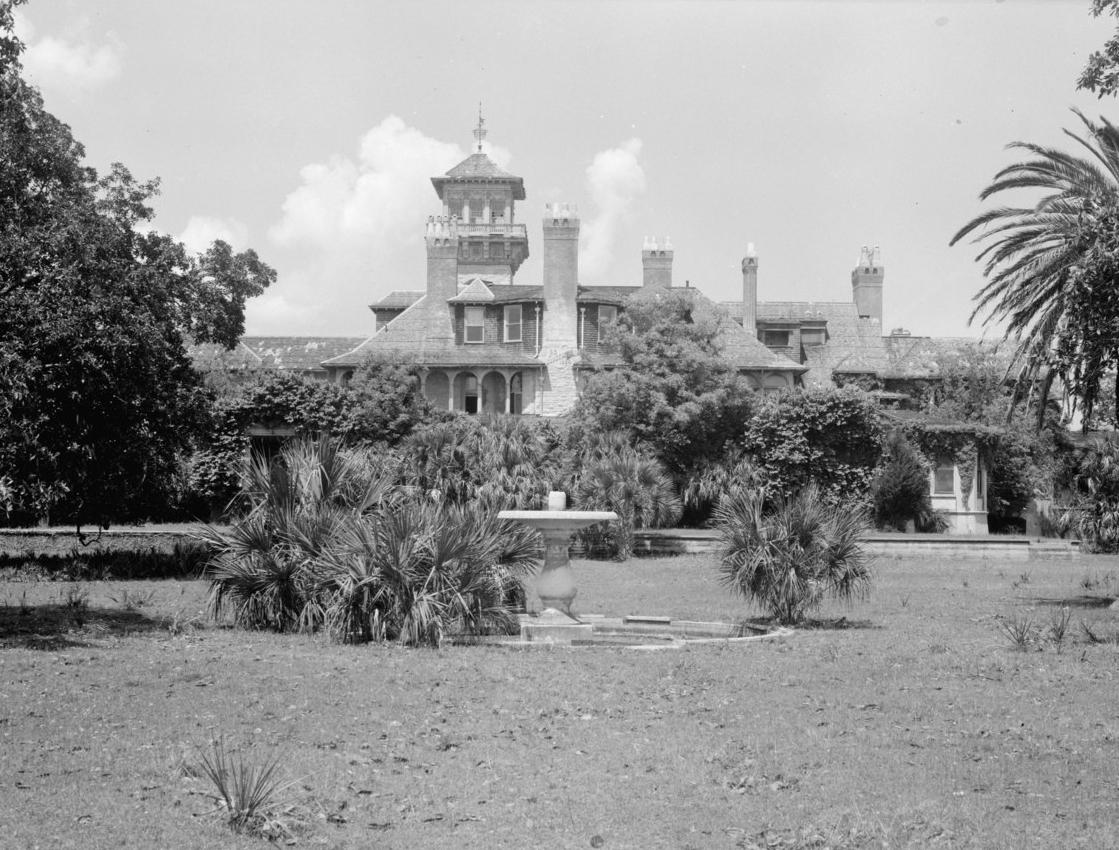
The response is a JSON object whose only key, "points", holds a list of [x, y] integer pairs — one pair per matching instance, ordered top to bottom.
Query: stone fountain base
{"points": [[554, 626]]}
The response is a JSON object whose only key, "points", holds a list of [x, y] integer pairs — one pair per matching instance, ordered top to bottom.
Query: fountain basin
{"points": [[558, 521]]}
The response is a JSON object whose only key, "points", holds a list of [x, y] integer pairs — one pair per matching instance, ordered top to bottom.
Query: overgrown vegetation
{"points": [[98, 402], [831, 438], [900, 487]]}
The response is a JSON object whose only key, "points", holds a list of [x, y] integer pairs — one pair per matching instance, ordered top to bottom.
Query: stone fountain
{"points": [[556, 584]]}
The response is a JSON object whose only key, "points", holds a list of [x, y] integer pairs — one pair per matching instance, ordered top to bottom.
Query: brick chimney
{"points": [[442, 257], [656, 262], [561, 275], [866, 283], [750, 290]]}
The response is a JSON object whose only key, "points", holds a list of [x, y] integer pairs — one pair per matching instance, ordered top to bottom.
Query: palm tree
{"points": [[1043, 263], [787, 555]]}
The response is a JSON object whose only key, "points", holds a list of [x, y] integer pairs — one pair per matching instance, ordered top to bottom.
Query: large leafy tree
{"points": [[1101, 73], [1051, 268], [675, 391], [97, 396]]}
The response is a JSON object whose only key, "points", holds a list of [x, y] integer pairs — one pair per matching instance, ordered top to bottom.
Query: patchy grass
{"points": [[915, 725]]}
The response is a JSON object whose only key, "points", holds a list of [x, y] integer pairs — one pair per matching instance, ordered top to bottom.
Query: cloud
{"points": [[73, 64], [614, 179], [356, 226], [202, 230]]}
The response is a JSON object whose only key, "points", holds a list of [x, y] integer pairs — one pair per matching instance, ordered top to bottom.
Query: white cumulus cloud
{"points": [[73, 63], [615, 179], [356, 225], [202, 231]]}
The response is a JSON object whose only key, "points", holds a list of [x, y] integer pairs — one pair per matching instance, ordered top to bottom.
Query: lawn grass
{"points": [[910, 722]]}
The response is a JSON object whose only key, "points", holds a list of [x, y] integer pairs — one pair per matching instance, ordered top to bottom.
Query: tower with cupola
{"points": [[479, 200]]}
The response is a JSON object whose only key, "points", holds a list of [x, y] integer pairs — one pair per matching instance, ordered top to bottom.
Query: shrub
{"points": [[385, 401], [831, 437], [507, 462], [711, 480], [1094, 483], [637, 488], [900, 489], [328, 541], [787, 556], [266, 566], [419, 573]]}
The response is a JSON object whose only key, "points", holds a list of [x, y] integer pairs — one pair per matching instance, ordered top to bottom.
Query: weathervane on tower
{"points": [[480, 132]]}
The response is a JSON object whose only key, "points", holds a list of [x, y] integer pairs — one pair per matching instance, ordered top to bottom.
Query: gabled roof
{"points": [[478, 166], [475, 292], [423, 334]]}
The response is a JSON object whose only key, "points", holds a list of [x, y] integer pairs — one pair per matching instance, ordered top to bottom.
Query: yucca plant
{"points": [[787, 553], [248, 794]]}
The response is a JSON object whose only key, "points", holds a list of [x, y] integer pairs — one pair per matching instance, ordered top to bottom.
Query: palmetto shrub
{"points": [[504, 461], [710, 481], [637, 488], [328, 541], [787, 555], [267, 567], [418, 573]]}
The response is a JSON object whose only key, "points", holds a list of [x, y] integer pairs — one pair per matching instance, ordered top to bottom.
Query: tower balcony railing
{"points": [[515, 231]]}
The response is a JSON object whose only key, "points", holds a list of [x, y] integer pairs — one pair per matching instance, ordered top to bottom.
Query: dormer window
{"points": [[513, 323], [475, 324], [815, 336], [775, 339]]}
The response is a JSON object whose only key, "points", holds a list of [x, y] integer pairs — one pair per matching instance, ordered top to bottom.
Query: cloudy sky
{"points": [[310, 131]]}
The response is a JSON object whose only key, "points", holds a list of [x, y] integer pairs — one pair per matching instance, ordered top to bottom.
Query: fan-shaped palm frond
{"points": [[1040, 262], [787, 556]]}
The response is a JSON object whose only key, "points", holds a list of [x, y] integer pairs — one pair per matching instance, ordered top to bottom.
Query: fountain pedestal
{"points": [[556, 584]]}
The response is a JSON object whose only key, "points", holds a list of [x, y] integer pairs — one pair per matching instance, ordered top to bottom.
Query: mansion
{"points": [[486, 343]]}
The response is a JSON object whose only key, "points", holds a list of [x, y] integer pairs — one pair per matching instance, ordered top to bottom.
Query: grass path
{"points": [[916, 724]]}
